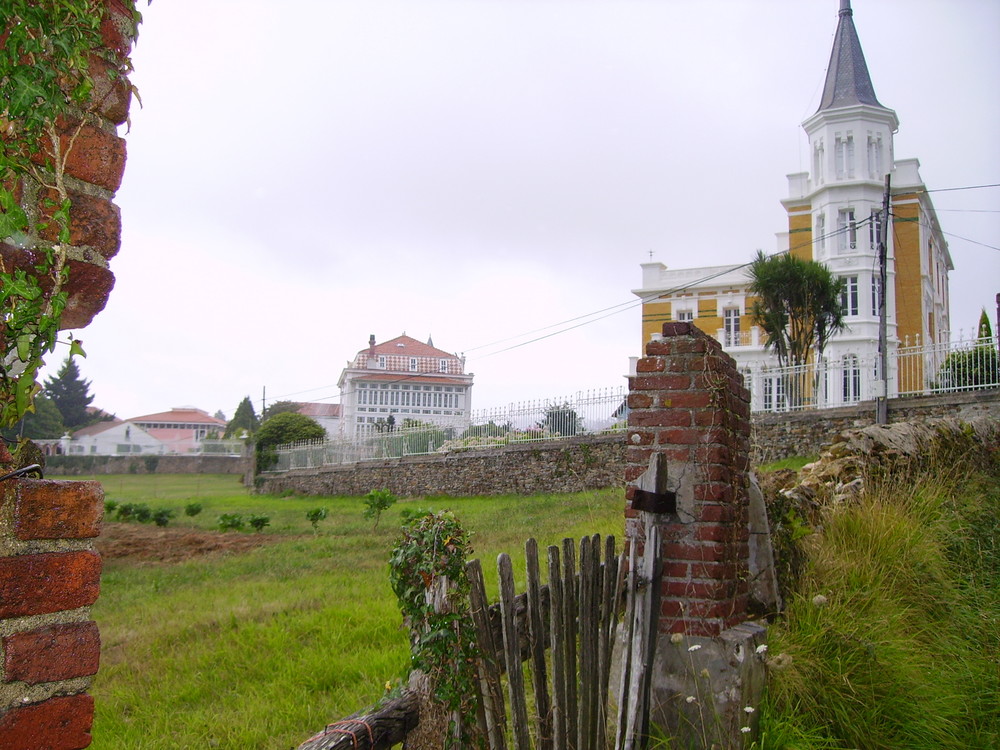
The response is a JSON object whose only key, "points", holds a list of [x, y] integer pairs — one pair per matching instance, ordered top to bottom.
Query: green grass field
{"points": [[261, 649]]}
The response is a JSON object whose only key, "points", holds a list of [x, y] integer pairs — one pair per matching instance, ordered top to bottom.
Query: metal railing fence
{"points": [[913, 370], [586, 412]]}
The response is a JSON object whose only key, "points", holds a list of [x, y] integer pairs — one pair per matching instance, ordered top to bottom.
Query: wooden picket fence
{"points": [[564, 629], [565, 632]]}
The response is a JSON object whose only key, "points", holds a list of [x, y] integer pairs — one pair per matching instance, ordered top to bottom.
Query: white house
{"points": [[403, 379], [326, 415], [115, 438]]}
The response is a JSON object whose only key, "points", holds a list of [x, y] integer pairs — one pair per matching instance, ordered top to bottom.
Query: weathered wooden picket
{"points": [[573, 618], [563, 630]]}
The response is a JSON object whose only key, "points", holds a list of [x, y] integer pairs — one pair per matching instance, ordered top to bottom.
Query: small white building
{"points": [[403, 380], [326, 415], [115, 438]]}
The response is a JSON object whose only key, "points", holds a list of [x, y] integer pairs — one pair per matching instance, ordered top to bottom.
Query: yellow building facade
{"points": [[834, 214]]}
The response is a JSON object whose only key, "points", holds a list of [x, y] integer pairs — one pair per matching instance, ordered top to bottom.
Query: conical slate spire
{"points": [[847, 79]]}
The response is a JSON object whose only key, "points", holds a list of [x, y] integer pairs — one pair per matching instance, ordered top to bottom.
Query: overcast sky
{"points": [[301, 175]]}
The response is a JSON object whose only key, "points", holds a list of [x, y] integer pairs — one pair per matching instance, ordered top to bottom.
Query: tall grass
{"points": [[892, 637], [261, 649]]}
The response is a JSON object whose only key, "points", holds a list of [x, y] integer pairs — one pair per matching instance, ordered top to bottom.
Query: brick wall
{"points": [[94, 169], [688, 403], [49, 570], [49, 646]]}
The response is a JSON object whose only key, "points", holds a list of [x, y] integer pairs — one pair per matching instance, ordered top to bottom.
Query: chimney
{"points": [[371, 345]]}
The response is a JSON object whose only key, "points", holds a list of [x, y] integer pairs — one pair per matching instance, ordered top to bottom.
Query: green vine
{"points": [[48, 49], [443, 637]]}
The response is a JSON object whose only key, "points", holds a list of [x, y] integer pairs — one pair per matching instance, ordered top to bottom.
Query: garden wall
{"points": [[777, 436], [590, 462], [100, 465], [570, 465]]}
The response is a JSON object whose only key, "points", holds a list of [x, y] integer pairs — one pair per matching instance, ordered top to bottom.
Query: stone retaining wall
{"points": [[777, 436], [589, 462], [100, 465], [568, 465]]}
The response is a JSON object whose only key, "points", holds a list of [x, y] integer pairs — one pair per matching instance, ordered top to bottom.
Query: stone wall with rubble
{"points": [[777, 436], [589, 462], [570, 465], [86, 466]]}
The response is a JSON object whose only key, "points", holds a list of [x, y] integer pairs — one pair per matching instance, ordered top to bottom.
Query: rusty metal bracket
{"points": [[32, 469], [654, 502]]}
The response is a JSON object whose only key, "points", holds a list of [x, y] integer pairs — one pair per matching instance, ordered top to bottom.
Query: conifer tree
{"points": [[71, 394], [244, 419], [44, 423]]}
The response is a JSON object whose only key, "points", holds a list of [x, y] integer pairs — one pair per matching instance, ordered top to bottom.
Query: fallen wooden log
{"points": [[371, 729]]}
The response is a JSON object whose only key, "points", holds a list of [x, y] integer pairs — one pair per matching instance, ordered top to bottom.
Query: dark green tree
{"points": [[798, 305], [985, 330], [975, 367], [71, 395], [279, 407], [245, 419], [561, 419], [45, 423], [287, 427]]}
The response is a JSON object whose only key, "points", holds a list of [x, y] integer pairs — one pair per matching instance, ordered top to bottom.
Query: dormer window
{"points": [[381, 361], [413, 364], [442, 365]]}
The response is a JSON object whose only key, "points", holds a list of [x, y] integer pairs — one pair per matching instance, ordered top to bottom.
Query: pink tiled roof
{"points": [[410, 348], [186, 415], [96, 429]]}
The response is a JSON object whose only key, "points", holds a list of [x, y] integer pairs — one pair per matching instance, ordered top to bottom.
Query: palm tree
{"points": [[798, 306]]}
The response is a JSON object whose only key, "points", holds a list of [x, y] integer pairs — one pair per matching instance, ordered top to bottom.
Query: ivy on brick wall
{"points": [[50, 53]]}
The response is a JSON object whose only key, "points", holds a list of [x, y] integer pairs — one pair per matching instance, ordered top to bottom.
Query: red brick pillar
{"points": [[688, 402], [49, 646]]}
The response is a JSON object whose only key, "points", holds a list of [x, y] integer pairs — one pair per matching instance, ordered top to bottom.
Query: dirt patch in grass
{"points": [[147, 543]]}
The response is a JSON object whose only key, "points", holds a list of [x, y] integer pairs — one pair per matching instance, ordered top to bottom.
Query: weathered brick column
{"points": [[687, 401], [688, 404], [49, 569], [49, 646]]}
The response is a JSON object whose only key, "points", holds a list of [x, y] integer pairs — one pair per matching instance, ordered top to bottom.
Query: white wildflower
{"points": [[819, 600], [676, 638], [695, 647], [762, 648], [690, 699], [748, 709], [745, 730]]}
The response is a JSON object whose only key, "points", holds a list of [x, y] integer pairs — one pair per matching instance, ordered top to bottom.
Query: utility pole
{"points": [[882, 384], [263, 400]]}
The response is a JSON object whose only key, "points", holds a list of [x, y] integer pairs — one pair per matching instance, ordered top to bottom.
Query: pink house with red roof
{"points": [[404, 379]]}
